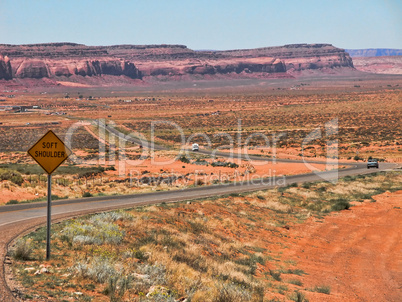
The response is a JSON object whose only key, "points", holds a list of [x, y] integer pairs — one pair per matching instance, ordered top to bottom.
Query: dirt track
{"points": [[358, 252]]}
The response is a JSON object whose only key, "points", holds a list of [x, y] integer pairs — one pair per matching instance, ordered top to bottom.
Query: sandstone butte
{"points": [[62, 61]]}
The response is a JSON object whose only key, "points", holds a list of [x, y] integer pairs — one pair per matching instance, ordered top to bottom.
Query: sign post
{"points": [[49, 152]]}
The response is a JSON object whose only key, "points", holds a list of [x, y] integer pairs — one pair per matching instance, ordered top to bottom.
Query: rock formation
{"points": [[300, 56], [63, 60], [5, 68], [45, 68]]}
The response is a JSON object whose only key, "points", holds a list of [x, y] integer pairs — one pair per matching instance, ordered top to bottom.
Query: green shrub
{"points": [[184, 159], [224, 164], [11, 175], [17, 179], [87, 194], [12, 201], [340, 204]]}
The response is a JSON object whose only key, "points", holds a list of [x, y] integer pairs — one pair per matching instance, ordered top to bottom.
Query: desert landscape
{"points": [[271, 112]]}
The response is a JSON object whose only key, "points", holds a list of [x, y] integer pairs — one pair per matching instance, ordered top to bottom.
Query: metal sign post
{"points": [[49, 152], [49, 214]]}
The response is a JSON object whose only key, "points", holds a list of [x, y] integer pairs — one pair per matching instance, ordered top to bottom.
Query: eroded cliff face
{"points": [[299, 57], [58, 60], [226, 66], [5, 68], [48, 68]]}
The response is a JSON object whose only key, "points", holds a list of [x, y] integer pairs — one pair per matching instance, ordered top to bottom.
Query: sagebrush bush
{"points": [[97, 232], [23, 250], [99, 269]]}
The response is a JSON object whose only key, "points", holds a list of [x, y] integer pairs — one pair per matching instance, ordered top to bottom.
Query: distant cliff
{"points": [[374, 52], [62, 60]]}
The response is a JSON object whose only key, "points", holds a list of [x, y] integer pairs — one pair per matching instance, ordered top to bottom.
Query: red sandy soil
{"points": [[357, 252]]}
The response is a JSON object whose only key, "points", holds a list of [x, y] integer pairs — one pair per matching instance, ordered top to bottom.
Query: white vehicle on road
{"points": [[195, 147]]}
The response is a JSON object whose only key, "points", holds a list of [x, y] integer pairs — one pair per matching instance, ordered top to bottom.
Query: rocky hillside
{"points": [[61, 61]]}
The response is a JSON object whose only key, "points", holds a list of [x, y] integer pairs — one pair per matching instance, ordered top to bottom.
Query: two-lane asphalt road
{"points": [[17, 214]]}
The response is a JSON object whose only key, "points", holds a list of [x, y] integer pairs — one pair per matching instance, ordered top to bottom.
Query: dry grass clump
{"points": [[22, 250]]}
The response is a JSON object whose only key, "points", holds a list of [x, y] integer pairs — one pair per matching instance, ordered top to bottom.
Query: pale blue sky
{"points": [[204, 24]]}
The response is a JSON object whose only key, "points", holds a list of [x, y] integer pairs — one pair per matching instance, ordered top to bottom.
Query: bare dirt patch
{"points": [[356, 252]]}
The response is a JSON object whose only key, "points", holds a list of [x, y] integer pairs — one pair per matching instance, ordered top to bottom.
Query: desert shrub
{"points": [[184, 159], [201, 162], [224, 164], [91, 172], [11, 175], [17, 179], [199, 182], [87, 194], [57, 197], [12, 201], [340, 204], [110, 216], [197, 227], [96, 232], [23, 250], [137, 254], [251, 262], [100, 269], [296, 271], [275, 275], [147, 276], [295, 282], [124, 284], [323, 289], [110, 290], [160, 297], [298, 297]]}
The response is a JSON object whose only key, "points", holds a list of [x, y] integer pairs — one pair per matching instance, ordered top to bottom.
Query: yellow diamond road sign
{"points": [[49, 152]]}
